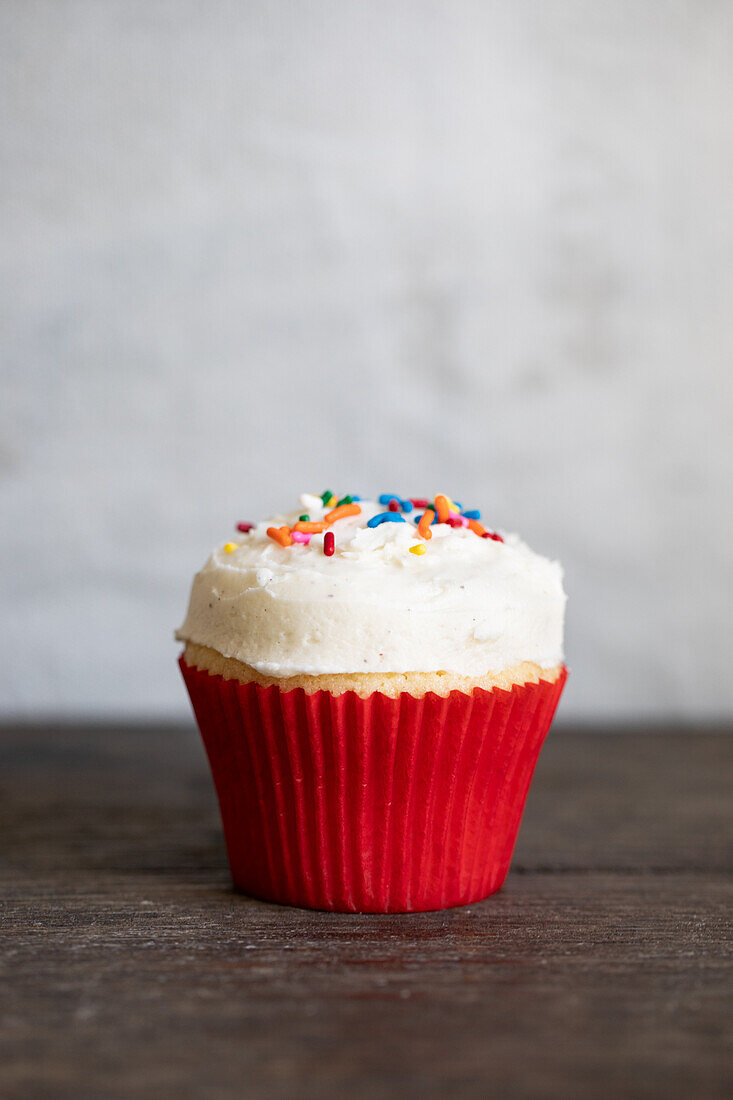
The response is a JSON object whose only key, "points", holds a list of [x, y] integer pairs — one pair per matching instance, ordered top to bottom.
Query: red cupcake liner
{"points": [[374, 805]]}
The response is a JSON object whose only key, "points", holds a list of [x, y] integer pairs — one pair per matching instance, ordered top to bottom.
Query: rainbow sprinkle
{"points": [[395, 503], [440, 510], [342, 512], [385, 517], [426, 520], [282, 535]]}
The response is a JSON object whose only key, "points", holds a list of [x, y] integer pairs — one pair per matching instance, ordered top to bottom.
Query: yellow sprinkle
{"points": [[332, 502], [229, 546], [418, 549]]}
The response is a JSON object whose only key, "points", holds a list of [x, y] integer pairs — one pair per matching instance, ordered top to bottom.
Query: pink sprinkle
{"points": [[245, 527], [301, 536], [329, 544]]}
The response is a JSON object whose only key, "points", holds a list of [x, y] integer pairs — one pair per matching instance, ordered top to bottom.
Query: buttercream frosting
{"points": [[468, 605]]}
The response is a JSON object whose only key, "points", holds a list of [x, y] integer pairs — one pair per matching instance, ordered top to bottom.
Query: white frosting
{"points": [[469, 605]]}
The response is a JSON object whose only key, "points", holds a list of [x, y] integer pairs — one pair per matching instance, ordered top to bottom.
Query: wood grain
{"points": [[130, 968]]}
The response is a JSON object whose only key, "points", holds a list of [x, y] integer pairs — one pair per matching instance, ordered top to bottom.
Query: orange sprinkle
{"points": [[442, 508], [342, 512], [308, 527], [423, 527], [476, 527], [281, 535]]}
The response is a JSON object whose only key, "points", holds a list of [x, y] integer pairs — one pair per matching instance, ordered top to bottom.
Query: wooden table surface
{"points": [[130, 968]]}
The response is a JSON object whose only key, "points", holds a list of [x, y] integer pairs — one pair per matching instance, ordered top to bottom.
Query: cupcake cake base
{"points": [[359, 800]]}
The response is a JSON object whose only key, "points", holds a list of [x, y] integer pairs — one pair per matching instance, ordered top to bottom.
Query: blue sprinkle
{"points": [[354, 497], [387, 497], [406, 505], [458, 505], [473, 514], [385, 517]]}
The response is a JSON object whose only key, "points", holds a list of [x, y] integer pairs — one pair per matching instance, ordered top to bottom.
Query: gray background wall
{"points": [[252, 248]]}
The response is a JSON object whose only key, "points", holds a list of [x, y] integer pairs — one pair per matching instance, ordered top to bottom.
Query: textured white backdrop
{"points": [[250, 248]]}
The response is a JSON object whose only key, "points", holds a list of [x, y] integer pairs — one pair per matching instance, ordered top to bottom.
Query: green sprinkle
{"points": [[325, 497], [344, 500], [303, 519]]}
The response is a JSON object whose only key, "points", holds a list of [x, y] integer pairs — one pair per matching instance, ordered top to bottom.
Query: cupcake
{"points": [[373, 681]]}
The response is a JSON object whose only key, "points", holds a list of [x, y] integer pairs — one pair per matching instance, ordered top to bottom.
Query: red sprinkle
{"points": [[419, 502], [394, 505], [453, 521], [245, 527], [492, 535], [329, 544]]}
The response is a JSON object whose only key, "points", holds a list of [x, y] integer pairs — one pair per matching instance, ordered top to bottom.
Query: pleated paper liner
{"points": [[373, 805]]}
